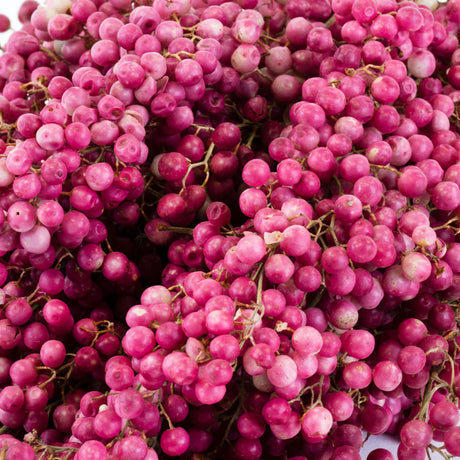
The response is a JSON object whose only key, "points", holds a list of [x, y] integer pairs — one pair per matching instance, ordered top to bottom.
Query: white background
{"points": [[10, 9]]}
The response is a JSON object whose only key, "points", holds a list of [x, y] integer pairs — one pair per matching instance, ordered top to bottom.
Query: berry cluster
{"points": [[229, 229]]}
